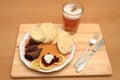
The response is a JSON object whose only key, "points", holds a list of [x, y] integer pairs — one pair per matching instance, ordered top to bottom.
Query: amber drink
{"points": [[71, 16]]}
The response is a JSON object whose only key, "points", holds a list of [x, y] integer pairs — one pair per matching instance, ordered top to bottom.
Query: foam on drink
{"points": [[71, 11]]}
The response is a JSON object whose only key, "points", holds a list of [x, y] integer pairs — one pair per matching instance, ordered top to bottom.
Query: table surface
{"points": [[13, 13]]}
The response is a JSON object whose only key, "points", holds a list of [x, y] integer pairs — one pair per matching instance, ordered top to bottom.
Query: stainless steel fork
{"points": [[92, 42]]}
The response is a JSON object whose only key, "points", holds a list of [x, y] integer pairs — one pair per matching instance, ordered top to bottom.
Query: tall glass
{"points": [[71, 16]]}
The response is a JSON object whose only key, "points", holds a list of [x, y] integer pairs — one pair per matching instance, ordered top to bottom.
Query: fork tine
{"points": [[96, 35]]}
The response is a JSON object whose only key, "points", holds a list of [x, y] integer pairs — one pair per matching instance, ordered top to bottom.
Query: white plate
{"points": [[27, 63]]}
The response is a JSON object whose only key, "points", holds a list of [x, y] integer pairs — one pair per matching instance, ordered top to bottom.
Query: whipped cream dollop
{"points": [[48, 58]]}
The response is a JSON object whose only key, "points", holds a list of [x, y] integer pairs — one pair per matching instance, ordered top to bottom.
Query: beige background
{"points": [[14, 12]]}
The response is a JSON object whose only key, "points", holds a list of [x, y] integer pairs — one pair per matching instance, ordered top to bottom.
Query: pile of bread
{"points": [[49, 33]]}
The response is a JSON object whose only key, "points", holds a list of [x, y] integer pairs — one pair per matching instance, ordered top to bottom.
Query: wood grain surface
{"points": [[106, 13], [99, 64]]}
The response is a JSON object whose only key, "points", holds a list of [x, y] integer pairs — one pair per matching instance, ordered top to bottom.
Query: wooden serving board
{"points": [[98, 65]]}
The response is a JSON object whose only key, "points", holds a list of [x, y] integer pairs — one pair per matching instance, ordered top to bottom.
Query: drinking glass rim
{"points": [[80, 5]]}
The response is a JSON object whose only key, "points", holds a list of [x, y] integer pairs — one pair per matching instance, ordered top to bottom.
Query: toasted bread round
{"points": [[59, 31], [37, 33], [50, 34], [65, 43]]}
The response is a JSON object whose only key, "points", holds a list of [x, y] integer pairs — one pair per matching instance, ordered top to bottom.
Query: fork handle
{"points": [[81, 57], [82, 65]]}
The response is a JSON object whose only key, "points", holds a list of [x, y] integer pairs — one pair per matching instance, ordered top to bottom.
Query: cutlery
{"points": [[92, 42], [82, 65]]}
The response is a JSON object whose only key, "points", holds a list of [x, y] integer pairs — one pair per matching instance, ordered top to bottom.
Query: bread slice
{"points": [[37, 34], [50, 34], [64, 43]]}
